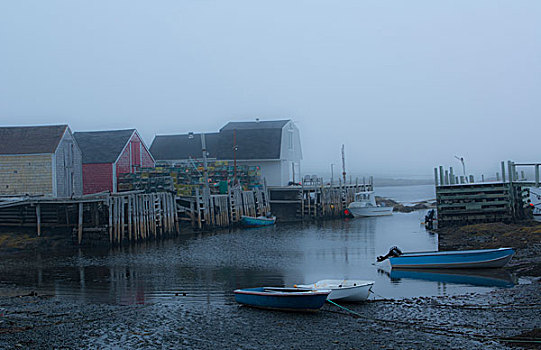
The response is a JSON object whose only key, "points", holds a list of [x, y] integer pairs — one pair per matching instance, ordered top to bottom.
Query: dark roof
{"points": [[266, 124], [30, 139], [255, 140], [251, 144], [102, 146], [177, 147]]}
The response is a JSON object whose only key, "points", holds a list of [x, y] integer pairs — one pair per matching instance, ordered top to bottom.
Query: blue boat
{"points": [[250, 221], [459, 259], [284, 299]]}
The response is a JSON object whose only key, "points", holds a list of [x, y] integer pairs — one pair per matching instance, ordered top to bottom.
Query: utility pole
{"points": [[235, 147], [204, 149], [343, 165]]}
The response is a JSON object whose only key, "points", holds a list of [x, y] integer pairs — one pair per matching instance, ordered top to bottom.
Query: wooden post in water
{"points": [[503, 171], [451, 176], [435, 177], [302, 198], [110, 208], [198, 208], [122, 217], [38, 218], [129, 218], [80, 224]]}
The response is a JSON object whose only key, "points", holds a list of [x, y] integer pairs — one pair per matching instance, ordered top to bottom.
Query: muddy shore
{"points": [[524, 237], [474, 321]]}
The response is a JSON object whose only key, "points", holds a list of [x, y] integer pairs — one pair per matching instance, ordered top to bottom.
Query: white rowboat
{"points": [[343, 290]]}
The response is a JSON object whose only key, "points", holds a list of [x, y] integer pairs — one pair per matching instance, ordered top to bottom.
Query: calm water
{"points": [[205, 268]]}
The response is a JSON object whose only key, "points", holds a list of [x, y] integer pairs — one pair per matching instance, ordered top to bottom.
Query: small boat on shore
{"points": [[365, 205], [259, 221], [459, 259], [343, 290], [284, 299]]}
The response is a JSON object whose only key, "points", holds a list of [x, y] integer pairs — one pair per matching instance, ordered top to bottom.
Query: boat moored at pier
{"points": [[365, 205]]}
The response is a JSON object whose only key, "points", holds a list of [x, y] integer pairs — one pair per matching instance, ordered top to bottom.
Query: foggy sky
{"points": [[405, 85]]}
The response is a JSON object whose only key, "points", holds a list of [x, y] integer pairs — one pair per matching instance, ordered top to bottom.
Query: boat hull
{"points": [[370, 211], [249, 221], [465, 259], [350, 291], [283, 299]]}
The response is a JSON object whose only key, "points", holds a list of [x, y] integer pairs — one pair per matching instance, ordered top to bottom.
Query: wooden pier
{"points": [[314, 201], [461, 201], [206, 211], [115, 218]]}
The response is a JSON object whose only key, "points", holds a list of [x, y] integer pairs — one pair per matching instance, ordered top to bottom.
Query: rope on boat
{"points": [[345, 308]]}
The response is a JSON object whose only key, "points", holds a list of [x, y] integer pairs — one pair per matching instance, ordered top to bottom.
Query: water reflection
{"points": [[205, 268], [480, 277]]}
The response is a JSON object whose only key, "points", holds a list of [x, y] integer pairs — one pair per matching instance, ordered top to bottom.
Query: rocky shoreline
{"points": [[401, 208]]}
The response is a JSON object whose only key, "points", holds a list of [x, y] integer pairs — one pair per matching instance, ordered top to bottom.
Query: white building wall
{"points": [[291, 154], [270, 170], [68, 172]]}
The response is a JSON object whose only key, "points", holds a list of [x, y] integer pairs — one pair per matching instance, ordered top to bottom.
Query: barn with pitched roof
{"points": [[274, 146], [108, 154], [40, 160]]}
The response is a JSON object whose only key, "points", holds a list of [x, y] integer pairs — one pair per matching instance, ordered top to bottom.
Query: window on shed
{"points": [[290, 138]]}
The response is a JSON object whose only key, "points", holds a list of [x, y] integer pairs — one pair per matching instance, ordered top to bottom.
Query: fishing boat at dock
{"points": [[365, 205], [259, 221], [459, 259], [343, 290], [284, 299]]}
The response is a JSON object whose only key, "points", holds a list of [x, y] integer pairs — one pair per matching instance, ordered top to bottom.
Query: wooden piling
{"points": [[38, 219], [80, 224]]}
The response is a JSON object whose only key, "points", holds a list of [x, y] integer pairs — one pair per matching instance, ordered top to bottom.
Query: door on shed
{"points": [[135, 150]]}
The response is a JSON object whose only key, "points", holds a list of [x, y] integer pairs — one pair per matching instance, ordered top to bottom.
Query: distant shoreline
{"points": [[400, 182]]}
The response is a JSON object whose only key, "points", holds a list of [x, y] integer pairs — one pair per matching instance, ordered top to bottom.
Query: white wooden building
{"points": [[274, 146]]}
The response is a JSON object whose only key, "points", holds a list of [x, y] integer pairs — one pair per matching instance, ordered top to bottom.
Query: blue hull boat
{"points": [[250, 221], [460, 259], [284, 299]]}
